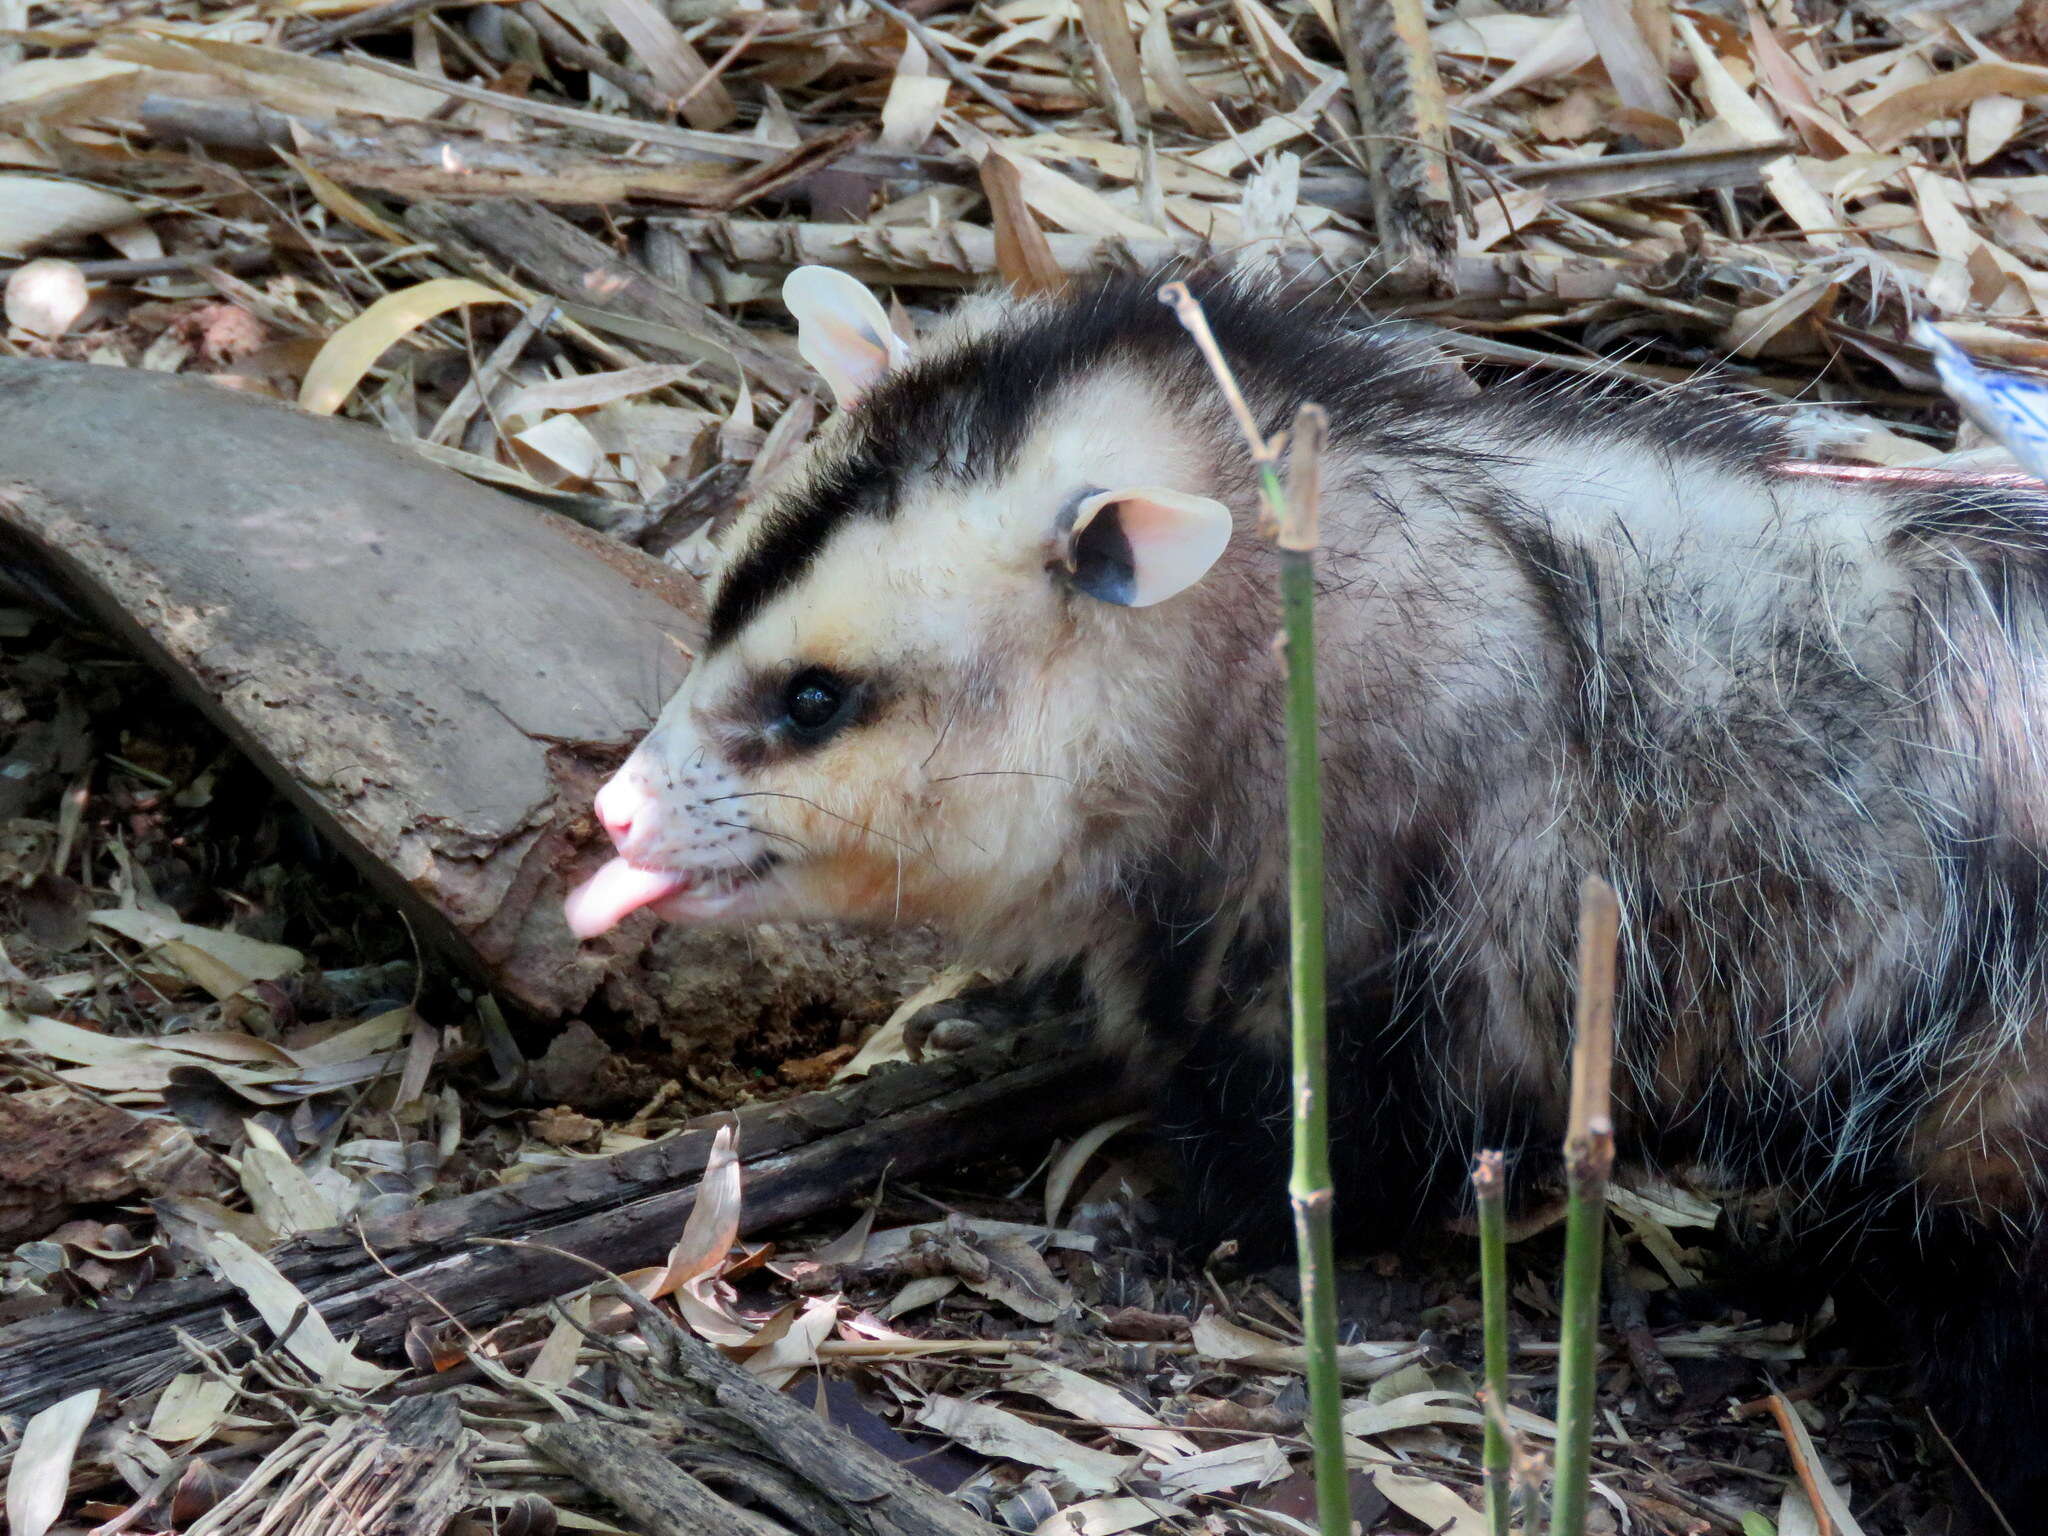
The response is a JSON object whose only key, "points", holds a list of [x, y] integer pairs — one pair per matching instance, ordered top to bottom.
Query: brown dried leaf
{"points": [[1020, 1279]]}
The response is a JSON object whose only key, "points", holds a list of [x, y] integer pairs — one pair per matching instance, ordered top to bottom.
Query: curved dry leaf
{"points": [[1507, 36], [1568, 48], [1166, 74], [33, 78], [290, 82], [916, 97], [1900, 114], [342, 203], [36, 211], [46, 296], [351, 351], [594, 389], [559, 451], [252, 959], [371, 1037], [887, 1043], [1066, 1169], [284, 1198], [1665, 1204], [713, 1225], [1019, 1278], [919, 1293], [283, 1306], [1216, 1338], [795, 1348], [554, 1365], [1102, 1405], [190, 1408], [1365, 1418], [995, 1432], [1800, 1445], [1253, 1462], [41, 1475], [1440, 1510], [1109, 1517]]}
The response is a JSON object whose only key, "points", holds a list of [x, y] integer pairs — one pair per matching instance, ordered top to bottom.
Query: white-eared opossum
{"points": [[999, 658]]}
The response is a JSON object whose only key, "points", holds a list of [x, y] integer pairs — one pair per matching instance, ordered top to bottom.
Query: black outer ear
{"points": [[1097, 560]]}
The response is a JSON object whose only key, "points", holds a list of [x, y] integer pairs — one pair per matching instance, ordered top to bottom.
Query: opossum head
{"points": [[948, 661]]}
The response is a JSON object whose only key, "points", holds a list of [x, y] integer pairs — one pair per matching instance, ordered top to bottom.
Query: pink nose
{"points": [[622, 801]]}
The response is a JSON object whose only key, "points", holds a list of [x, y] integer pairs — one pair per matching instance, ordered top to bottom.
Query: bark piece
{"points": [[1406, 124], [555, 256], [439, 674], [60, 1150], [423, 1266], [627, 1467], [404, 1472], [871, 1494]]}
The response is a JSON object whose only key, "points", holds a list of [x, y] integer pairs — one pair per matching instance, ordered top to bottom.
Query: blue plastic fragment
{"points": [[2011, 407]]}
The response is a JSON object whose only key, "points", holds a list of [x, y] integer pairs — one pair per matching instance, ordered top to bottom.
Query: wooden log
{"points": [[439, 674], [60, 1148], [801, 1156]]}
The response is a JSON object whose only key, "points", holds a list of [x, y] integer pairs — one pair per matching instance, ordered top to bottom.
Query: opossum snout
{"points": [[623, 801], [660, 815], [686, 845]]}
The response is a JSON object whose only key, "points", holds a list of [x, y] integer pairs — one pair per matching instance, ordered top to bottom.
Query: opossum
{"points": [[999, 657]]}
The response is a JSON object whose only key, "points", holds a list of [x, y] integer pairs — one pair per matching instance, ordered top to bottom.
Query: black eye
{"points": [[815, 703]]}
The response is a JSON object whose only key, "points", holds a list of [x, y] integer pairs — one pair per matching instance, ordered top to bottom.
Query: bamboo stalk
{"points": [[1291, 518], [1589, 1159], [1309, 1186], [1488, 1188]]}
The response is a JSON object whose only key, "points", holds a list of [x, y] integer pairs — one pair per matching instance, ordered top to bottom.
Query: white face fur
{"points": [[919, 723]]}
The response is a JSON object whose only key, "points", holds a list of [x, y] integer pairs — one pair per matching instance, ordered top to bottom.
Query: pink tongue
{"points": [[614, 892]]}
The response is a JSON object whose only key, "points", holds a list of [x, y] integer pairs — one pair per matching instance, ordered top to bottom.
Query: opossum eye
{"points": [[815, 703]]}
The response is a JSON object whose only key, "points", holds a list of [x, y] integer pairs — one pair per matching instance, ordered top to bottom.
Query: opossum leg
{"points": [[991, 1010], [1399, 1160], [1979, 1277], [1979, 1315]]}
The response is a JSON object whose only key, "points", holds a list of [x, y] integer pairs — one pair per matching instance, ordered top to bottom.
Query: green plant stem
{"points": [[1589, 1159], [1309, 1186], [1487, 1186], [1579, 1346]]}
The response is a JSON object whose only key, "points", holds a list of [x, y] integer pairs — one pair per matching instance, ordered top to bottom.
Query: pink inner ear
{"points": [[842, 331], [846, 355], [1174, 537]]}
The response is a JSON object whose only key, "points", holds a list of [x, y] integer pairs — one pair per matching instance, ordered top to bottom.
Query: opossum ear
{"points": [[842, 330], [1139, 546]]}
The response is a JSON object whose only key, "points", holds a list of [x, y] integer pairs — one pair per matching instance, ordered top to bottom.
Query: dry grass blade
{"points": [[1022, 254], [353, 350]]}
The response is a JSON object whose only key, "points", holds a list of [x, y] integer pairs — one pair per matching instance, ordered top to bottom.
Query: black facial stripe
{"points": [[789, 543]]}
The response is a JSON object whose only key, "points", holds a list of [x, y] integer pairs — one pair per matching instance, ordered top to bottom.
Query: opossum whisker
{"points": [[771, 794]]}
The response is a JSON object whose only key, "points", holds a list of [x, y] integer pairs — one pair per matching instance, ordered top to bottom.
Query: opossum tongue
{"points": [[608, 897]]}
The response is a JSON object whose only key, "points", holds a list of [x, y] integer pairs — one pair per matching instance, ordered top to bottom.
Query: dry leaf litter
{"points": [[539, 243]]}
